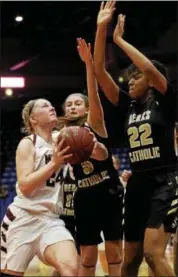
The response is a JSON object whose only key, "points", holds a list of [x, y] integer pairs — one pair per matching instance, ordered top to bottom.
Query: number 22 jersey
{"points": [[149, 127]]}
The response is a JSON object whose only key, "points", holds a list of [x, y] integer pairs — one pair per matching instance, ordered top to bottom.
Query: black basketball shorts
{"points": [[151, 200], [98, 210], [70, 225]]}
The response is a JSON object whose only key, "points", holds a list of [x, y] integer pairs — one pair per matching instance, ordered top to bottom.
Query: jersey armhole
{"points": [[95, 132], [33, 140]]}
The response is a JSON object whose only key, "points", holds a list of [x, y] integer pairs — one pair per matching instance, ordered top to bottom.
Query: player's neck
{"points": [[145, 97], [45, 134]]}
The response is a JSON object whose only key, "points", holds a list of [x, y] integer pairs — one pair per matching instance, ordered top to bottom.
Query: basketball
{"points": [[80, 141]]}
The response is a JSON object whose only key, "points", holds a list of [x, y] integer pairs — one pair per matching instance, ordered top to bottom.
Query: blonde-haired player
{"points": [[31, 225]]}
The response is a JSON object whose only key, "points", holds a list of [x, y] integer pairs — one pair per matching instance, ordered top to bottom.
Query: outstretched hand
{"points": [[105, 13], [119, 29], [84, 50]]}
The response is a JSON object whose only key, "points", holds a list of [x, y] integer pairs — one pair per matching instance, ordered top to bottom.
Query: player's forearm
{"points": [[99, 50], [135, 55], [155, 77], [109, 87], [93, 97], [100, 152], [36, 179]]}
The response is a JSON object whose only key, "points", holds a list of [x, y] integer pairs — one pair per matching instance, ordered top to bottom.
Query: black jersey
{"points": [[150, 130], [92, 173], [69, 186]]}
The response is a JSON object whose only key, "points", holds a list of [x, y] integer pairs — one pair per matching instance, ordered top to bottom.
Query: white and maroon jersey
{"points": [[48, 198]]}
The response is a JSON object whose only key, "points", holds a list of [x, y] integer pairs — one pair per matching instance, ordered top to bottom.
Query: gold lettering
{"points": [[148, 113], [143, 116], [132, 118], [138, 118], [145, 136], [133, 137], [157, 149], [145, 154], [150, 154], [141, 155], [136, 156], [131, 157], [87, 167], [104, 174], [93, 180], [79, 183], [85, 183], [65, 187], [69, 187], [73, 187], [69, 200], [68, 212]]}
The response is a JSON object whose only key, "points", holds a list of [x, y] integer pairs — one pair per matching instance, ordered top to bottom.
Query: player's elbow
{"points": [[98, 69], [100, 74], [156, 79], [97, 120], [100, 152], [103, 154], [24, 187]]}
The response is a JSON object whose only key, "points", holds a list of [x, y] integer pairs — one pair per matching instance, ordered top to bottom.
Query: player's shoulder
{"points": [[169, 88], [169, 91], [124, 96], [27, 140], [25, 145]]}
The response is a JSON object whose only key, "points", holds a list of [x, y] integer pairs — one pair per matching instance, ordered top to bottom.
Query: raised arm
{"points": [[157, 80], [109, 87], [95, 114], [28, 178]]}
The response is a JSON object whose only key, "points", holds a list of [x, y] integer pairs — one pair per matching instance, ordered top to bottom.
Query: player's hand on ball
{"points": [[80, 141], [60, 154]]}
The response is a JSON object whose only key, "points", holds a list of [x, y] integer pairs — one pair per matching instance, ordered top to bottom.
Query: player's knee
{"points": [[152, 252], [89, 256], [114, 256], [153, 256], [150, 258], [88, 260], [133, 262], [131, 266], [68, 268], [70, 271]]}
